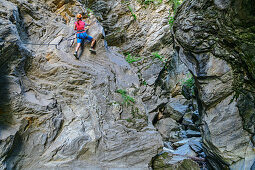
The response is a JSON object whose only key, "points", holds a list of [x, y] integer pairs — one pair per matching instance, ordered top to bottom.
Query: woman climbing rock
{"points": [[79, 27]]}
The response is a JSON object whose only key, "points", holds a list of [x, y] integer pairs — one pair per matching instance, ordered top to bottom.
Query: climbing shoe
{"points": [[92, 50], [76, 55]]}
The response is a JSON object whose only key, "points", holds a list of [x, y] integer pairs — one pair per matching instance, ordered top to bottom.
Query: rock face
{"points": [[215, 39], [114, 109], [58, 112], [161, 163]]}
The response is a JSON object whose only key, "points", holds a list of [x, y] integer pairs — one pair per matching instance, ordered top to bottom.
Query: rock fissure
{"points": [[59, 112]]}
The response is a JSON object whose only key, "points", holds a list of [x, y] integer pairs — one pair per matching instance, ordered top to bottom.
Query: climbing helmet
{"points": [[78, 16]]}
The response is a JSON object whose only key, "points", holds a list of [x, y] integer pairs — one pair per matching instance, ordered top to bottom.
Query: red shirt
{"points": [[79, 26]]}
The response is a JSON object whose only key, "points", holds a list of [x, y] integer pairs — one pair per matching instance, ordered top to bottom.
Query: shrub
{"points": [[176, 4], [89, 12], [171, 21], [157, 55], [130, 59], [189, 82], [145, 83], [188, 85], [127, 100]]}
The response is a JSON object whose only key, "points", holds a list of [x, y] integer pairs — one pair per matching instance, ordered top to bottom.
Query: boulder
{"points": [[223, 75], [175, 110], [169, 129], [192, 133], [191, 141], [162, 162]]}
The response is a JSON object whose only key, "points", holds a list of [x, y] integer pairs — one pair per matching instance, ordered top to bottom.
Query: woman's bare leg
{"points": [[93, 42], [77, 47]]}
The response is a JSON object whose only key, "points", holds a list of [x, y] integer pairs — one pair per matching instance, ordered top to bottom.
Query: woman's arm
{"points": [[74, 27]]}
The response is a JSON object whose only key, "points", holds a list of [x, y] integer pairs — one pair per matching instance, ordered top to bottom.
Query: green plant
{"points": [[147, 2], [176, 4], [89, 12], [133, 14], [171, 21], [157, 55], [130, 59], [189, 82], [145, 83], [127, 100], [129, 120]]}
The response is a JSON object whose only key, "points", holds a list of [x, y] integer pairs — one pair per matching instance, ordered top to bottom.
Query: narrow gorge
{"points": [[170, 87]]}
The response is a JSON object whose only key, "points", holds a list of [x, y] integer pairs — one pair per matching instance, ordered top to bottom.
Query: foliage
{"points": [[147, 2], [176, 4], [89, 12], [133, 14], [171, 21], [157, 55], [130, 59], [188, 80], [145, 83], [189, 83], [127, 100], [129, 120]]}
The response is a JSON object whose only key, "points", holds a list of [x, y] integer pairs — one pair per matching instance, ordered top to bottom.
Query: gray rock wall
{"points": [[215, 39], [58, 112]]}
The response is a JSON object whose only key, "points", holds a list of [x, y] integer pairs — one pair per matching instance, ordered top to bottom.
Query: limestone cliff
{"points": [[215, 39], [124, 107], [59, 112]]}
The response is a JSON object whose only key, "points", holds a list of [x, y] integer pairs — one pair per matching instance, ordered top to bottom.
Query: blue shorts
{"points": [[83, 36]]}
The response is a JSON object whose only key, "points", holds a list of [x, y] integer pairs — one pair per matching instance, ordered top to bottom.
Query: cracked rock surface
{"points": [[215, 40], [127, 106], [58, 112]]}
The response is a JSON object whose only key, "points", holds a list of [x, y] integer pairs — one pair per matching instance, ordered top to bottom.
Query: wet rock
{"points": [[219, 75], [186, 92], [246, 106], [175, 110], [195, 116], [187, 118], [187, 121], [169, 129], [192, 133], [190, 141], [180, 143], [196, 146], [168, 147], [182, 152], [162, 162]]}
